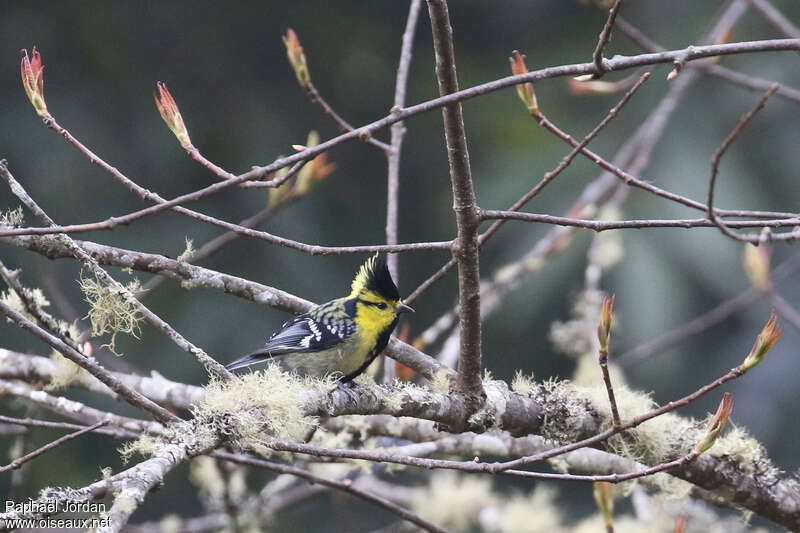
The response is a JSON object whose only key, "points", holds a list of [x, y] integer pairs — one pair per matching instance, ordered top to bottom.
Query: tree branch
{"points": [[465, 249]]}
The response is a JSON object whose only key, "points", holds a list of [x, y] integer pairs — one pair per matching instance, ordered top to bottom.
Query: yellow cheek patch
{"points": [[373, 320]]}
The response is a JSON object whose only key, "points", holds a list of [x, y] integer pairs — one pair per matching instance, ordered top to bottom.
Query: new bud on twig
{"points": [[294, 51], [675, 71], [32, 72], [580, 88], [524, 90], [169, 112], [314, 171], [755, 261], [604, 327], [764, 343], [716, 425], [605, 502]]}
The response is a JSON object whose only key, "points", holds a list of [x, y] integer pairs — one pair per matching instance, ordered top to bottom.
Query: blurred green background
{"points": [[225, 65]]}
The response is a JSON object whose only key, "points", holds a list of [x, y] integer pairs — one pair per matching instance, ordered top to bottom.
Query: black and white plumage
{"points": [[341, 336]]}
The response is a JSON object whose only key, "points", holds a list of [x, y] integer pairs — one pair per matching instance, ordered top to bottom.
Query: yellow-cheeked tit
{"points": [[342, 336]]}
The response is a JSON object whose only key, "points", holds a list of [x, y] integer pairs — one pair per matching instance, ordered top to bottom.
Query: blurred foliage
{"points": [[225, 65]]}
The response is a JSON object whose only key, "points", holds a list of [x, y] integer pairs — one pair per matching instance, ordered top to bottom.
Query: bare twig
{"points": [[776, 18], [602, 40], [614, 64], [724, 73], [315, 97], [398, 131], [547, 178], [712, 215], [605, 225], [217, 243], [465, 249], [34, 310], [697, 325], [604, 336], [211, 365], [91, 366], [38, 369], [76, 410], [36, 423], [16, 463], [469, 466], [338, 485]]}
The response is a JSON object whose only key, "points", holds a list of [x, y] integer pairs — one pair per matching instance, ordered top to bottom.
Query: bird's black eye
{"points": [[380, 305]]}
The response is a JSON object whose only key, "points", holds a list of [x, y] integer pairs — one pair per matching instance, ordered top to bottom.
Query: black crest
{"points": [[374, 276]]}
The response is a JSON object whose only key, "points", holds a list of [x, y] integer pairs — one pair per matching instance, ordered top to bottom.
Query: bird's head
{"points": [[377, 298]]}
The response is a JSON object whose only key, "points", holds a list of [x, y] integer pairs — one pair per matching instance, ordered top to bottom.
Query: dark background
{"points": [[226, 67]]}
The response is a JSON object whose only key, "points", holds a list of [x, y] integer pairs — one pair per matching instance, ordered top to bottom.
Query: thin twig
{"points": [[776, 18], [602, 40], [614, 64], [709, 66], [315, 97], [743, 121], [398, 131], [547, 178], [630, 179], [605, 225], [217, 243], [465, 249], [34, 310], [693, 327], [210, 364], [90, 365], [609, 389], [76, 410], [36, 423], [16, 463], [344, 486]]}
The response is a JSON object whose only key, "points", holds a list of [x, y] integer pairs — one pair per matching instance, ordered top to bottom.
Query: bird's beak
{"points": [[403, 308]]}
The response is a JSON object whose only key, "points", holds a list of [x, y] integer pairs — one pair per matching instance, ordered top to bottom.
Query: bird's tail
{"points": [[250, 359]]}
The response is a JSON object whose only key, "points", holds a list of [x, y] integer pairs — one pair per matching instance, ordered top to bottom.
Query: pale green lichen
{"points": [[14, 218], [188, 252], [12, 299], [110, 309], [65, 373], [441, 380], [522, 384], [253, 409], [563, 410], [665, 436], [330, 439], [739, 445], [146, 446], [204, 473], [453, 501], [125, 504], [536, 512], [171, 523]]}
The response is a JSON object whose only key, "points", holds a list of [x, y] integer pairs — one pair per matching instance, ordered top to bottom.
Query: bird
{"points": [[342, 336]]}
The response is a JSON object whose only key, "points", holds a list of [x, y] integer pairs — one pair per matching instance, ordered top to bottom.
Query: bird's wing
{"points": [[303, 334]]}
